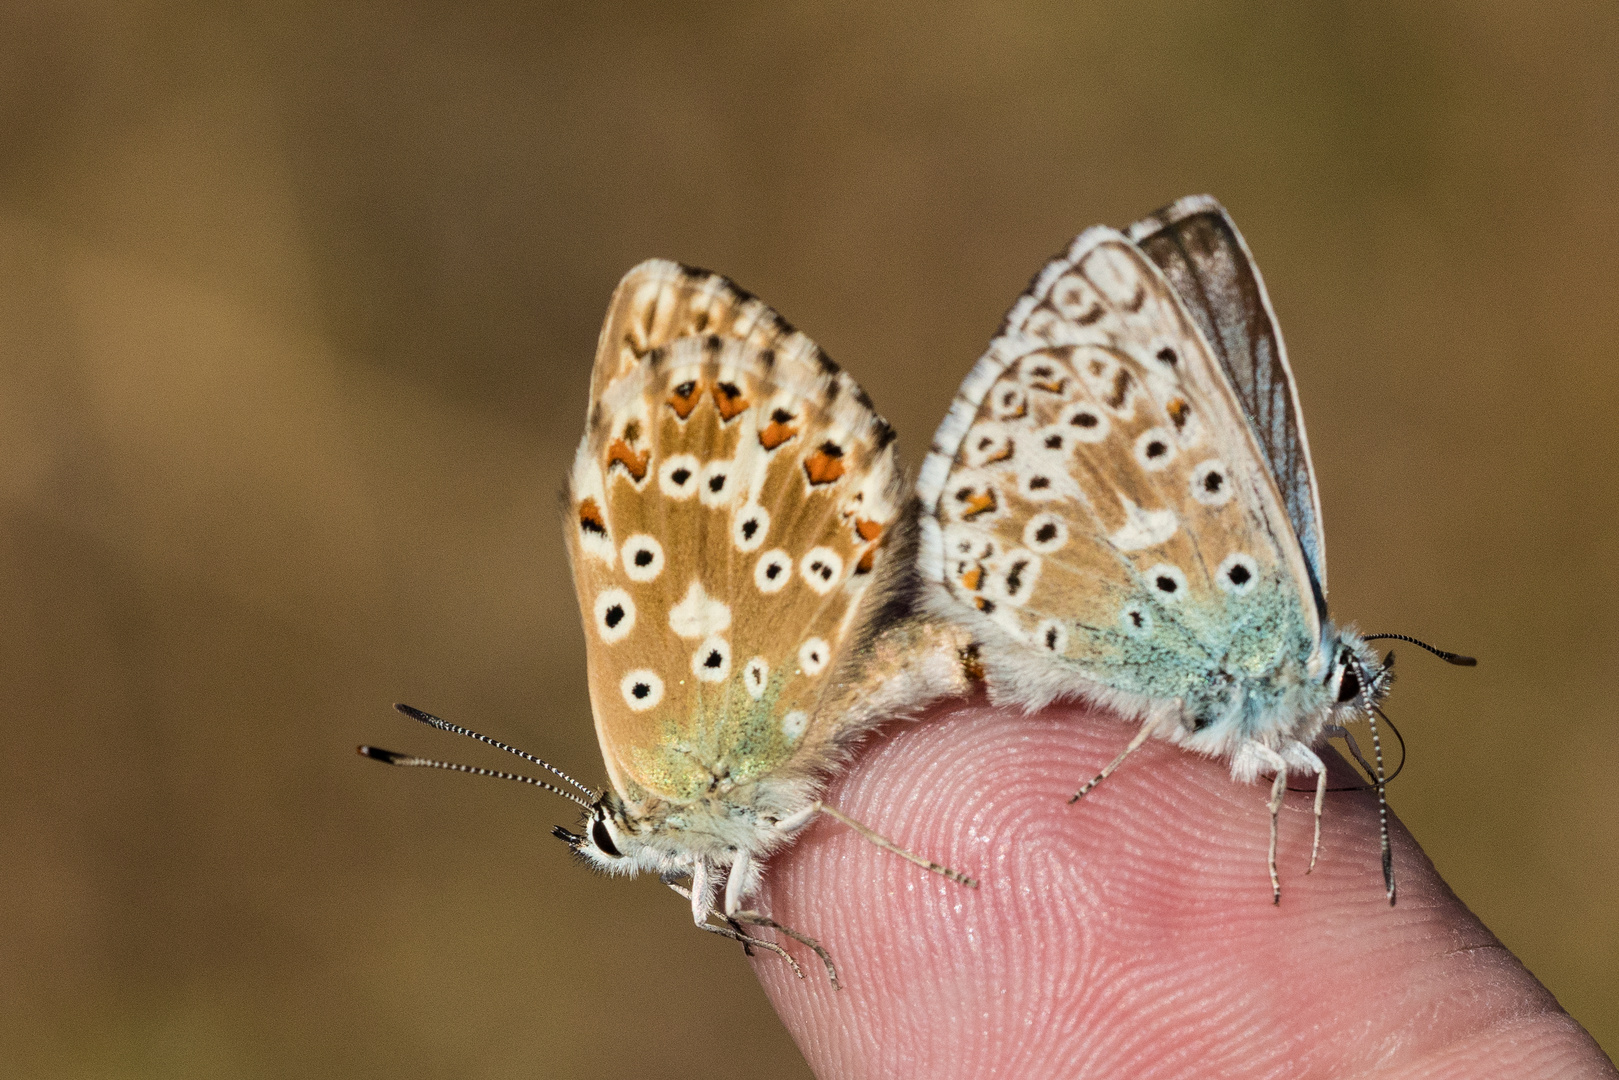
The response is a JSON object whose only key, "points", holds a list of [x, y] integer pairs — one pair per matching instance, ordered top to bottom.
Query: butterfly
{"points": [[1120, 505], [742, 545]]}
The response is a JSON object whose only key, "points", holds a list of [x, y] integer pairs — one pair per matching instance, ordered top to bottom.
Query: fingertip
{"points": [[1105, 936]]}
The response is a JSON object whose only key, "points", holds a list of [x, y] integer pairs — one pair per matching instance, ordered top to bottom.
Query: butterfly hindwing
{"points": [[1205, 259], [1096, 493], [727, 511]]}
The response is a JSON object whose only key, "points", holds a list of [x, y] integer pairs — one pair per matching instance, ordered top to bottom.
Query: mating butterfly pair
{"points": [[1118, 506]]}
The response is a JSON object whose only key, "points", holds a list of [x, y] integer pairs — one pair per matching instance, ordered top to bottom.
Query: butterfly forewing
{"points": [[1198, 248], [660, 301], [1083, 496], [726, 514]]}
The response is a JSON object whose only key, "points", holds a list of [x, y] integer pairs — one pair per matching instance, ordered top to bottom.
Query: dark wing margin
{"points": [[1200, 251]]}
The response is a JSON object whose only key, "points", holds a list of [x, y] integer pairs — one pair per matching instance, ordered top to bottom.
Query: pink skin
{"points": [[1132, 934]]}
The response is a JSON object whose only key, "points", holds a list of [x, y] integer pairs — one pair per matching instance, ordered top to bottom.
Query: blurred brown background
{"points": [[297, 305]]}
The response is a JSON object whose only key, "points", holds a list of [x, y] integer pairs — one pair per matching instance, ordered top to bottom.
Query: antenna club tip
{"points": [[377, 753]]}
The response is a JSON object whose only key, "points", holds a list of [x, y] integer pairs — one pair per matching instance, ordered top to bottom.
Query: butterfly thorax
{"points": [[1287, 701]]}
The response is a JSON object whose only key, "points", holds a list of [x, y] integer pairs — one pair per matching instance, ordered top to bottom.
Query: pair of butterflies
{"points": [[1118, 506]]}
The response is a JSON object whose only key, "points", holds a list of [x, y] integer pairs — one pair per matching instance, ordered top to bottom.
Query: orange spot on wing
{"points": [[683, 398], [728, 400], [1178, 412], [779, 430], [623, 454], [825, 464], [978, 502], [590, 518], [869, 531], [973, 578]]}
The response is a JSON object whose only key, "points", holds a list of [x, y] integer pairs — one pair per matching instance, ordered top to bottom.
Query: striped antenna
{"points": [[444, 725], [391, 757]]}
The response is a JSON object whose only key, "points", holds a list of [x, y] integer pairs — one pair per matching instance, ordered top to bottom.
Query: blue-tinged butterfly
{"points": [[1120, 506], [742, 544]]}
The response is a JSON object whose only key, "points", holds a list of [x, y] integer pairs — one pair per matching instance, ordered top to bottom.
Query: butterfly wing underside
{"points": [[1198, 248], [1096, 492], [726, 515]]}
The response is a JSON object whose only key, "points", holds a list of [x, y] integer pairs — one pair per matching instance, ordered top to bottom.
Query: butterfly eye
{"points": [[1349, 684], [603, 839]]}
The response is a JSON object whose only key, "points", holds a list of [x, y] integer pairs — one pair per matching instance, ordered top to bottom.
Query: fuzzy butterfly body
{"points": [[1120, 504]]}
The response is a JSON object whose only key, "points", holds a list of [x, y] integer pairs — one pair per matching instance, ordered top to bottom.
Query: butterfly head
{"points": [[1358, 678], [608, 839]]}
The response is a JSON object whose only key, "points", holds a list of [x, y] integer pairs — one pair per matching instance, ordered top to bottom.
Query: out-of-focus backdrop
{"points": [[297, 307]]}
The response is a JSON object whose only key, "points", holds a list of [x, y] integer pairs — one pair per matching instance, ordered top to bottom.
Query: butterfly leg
{"points": [[1336, 731], [1135, 744], [1302, 757], [1271, 761], [889, 845], [742, 880], [702, 905], [755, 918]]}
